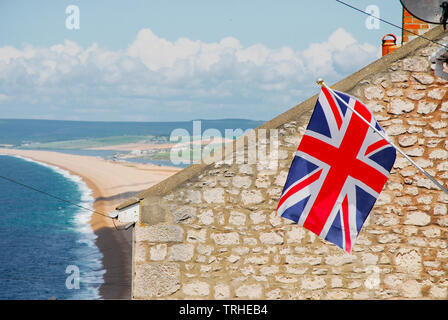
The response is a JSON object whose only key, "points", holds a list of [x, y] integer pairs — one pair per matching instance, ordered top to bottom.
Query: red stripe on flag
{"points": [[333, 107], [375, 146], [343, 163], [299, 187], [348, 241]]}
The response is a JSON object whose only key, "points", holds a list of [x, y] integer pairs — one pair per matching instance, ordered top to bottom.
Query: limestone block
{"points": [[418, 64], [399, 76], [423, 78], [374, 92], [395, 92], [437, 93], [416, 95], [375, 106], [399, 106], [426, 107], [444, 107], [438, 125], [414, 129], [395, 130], [407, 140], [415, 152], [283, 154], [438, 154], [401, 162], [424, 163], [443, 166], [246, 169], [281, 178], [262, 181], [241, 182], [423, 182], [413, 191], [215, 195], [193, 196], [251, 197], [383, 198], [426, 199], [153, 210], [440, 210], [183, 214], [206, 217], [257, 217], [237, 218], [387, 221], [443, 222], [432, 232], [159, 233], [197, 235], [295, 235], [271, 238], [226, 239], [205, 249], [240, 250], [139, 252], [158, 252], [181, 252], [233, 258], [369, 258], [256, 259], [338, 259], [310, 260], [408, 260], [269, 270], [296, 270], [286, 279], [156, 280], [393, 280], [336, 282], [313, 283], [196, 288], [411, 289], [222, 291], [250, 291], [438, 292], [274, 294]]}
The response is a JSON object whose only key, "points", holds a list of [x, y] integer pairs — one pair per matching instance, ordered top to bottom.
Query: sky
{"points": [[176, 60]]}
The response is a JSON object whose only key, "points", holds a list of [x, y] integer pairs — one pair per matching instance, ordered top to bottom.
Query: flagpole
{"points": [[322, 83]]}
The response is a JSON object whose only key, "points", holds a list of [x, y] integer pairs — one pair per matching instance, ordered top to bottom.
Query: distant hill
{"points": [[19, 131]]}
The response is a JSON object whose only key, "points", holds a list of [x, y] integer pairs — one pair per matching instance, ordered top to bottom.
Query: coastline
{"points": [[111, 183]]}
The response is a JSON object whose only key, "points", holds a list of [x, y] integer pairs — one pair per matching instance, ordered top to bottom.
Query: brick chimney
{"points": [[414, 25]]}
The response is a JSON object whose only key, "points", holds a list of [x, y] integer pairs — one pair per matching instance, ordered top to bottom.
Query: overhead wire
{"points": [[390, 23], [58, 198], [241, 232]]}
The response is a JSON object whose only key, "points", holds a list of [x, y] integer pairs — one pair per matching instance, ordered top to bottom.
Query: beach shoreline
{"points": [[111, 183]]}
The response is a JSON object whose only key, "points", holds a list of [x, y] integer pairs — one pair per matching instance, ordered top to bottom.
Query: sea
{"points": [[47, 246]]}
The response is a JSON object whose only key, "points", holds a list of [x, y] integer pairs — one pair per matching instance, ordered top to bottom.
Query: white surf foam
{"points": [[90, 256]]}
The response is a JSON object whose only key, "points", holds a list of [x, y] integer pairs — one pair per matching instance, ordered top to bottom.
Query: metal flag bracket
{"points": [[440, 58]]}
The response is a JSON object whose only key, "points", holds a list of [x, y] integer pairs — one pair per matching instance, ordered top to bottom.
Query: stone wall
{"points": [[216, 235]]}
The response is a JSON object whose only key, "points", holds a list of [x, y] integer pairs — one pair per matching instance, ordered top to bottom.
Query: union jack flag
{"points": [[338, 171]]}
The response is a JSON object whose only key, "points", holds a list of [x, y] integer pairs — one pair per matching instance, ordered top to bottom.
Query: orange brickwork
{"points": [[413, 25]]}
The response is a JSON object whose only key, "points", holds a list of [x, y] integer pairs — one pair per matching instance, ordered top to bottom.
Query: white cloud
{"points": [[156, 79], [3, 98]]}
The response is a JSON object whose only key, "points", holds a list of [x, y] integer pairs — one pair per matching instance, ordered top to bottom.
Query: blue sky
{"points": [[178, 60]]}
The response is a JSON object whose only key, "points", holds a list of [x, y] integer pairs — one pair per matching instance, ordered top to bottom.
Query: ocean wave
{"points": [[90, 257]]}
